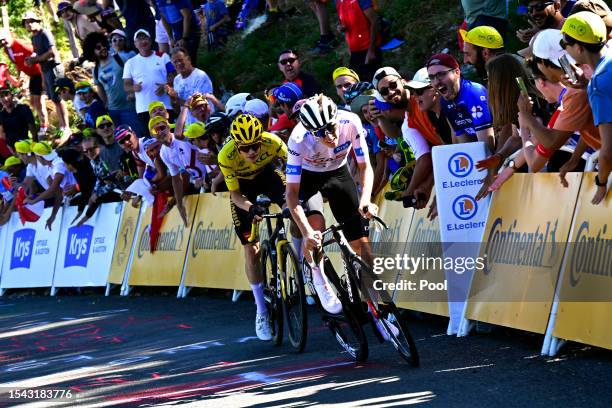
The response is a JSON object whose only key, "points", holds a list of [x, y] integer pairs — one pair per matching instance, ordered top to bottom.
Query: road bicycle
{"points": [[284, 290], [358, 308]]}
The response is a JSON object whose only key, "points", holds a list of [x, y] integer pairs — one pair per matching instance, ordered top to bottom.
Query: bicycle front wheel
{"points": [[271, 293], [294, 304], [398, 333], [350, 335]]}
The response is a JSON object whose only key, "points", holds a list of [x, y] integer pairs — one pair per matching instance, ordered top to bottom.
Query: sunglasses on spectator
{"points": [[538, 7], [117, 39], [566, 42], [100, 47], [286, 61], [439, 75], [344, 85], [384, 91], [421, 91], [105, 125], [324, 131], [124, 140], [252, 147]]}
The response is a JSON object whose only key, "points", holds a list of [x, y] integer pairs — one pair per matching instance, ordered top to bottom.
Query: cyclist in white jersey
{"points": [[318, 151]]}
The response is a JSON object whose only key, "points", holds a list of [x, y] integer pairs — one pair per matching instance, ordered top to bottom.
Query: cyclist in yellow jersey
{"points": [[249, 163]]}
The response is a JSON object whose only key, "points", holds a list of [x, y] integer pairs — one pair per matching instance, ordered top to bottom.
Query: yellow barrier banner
{"points": [[423, 240], [124, 243], [524, 243], [215, 258], [164, 267], [585, 309]]}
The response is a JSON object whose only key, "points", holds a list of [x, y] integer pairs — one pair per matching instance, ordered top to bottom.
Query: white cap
{"points": [[141, 31], [118, 32], [546, 46], [383, 72], [420, 80], [256, 107]]}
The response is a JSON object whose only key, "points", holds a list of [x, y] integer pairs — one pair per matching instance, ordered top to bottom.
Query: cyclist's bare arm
{"points": [[367, 179], [240, 200]]}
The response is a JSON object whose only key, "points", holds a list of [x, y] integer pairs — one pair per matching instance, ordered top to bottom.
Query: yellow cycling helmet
{"points": [[246, 129]]}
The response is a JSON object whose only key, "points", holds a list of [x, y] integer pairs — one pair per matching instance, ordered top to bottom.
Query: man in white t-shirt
{"points": [[147, 76], [34, 170]]}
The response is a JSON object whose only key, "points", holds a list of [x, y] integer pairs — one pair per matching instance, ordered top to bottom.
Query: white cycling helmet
{"points": [[235, 104], [317, 112]]}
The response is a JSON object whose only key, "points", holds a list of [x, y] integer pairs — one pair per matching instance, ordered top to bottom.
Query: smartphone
{"points": [[567, 67], [521, 85]]}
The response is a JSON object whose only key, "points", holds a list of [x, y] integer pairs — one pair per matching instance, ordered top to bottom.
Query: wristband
{"points": [[544, 152], [598, 183]]}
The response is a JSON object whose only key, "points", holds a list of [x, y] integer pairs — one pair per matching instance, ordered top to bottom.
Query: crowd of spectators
{"points": [[150, 125]]}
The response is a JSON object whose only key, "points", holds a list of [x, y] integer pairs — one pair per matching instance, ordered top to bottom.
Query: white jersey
{"points": [[306, 152], [181, 156], [40, 173]]}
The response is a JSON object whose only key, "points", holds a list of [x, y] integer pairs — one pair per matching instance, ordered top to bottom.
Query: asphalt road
{"points": [[154, 350]]}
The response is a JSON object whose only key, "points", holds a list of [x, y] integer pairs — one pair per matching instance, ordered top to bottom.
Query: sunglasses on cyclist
{"points": [[539, 7], [286, 61], [384, 91], [325, 130], [251, 147]]}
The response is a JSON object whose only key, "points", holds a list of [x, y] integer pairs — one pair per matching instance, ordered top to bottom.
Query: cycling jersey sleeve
{"points": [[360, 144], [280, 146], [293, 172]]}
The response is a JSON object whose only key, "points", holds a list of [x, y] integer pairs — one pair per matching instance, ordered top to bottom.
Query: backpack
{"points": [[117, 58]]}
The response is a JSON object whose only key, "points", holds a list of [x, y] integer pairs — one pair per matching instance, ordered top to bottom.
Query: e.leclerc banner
{"points": [[462, 219], [29, 252]]}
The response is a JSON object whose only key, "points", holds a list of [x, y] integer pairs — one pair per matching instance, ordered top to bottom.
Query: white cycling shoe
{"points": [[328, 299], [263, 329], [383, 332]]}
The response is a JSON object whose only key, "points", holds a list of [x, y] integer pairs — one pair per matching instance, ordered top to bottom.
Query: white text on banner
{"points": [[462, 219], [29, 252], [85, 252]]}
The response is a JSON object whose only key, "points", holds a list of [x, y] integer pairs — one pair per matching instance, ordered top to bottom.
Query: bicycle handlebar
{"points": [[284, 214]]}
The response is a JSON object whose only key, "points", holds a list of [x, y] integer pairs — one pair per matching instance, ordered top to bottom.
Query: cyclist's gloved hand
{"points": [[256, 211]]}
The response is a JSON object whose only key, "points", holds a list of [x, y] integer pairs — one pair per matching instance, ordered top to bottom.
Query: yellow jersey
{"points": [[235, 167]]}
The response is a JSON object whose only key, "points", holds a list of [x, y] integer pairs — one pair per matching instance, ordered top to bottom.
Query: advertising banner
{"points": [[462, 219], [124, 244], [524, 245], [29, 252], [85, 252], [215, 258], [164, 267], [585, 308]]}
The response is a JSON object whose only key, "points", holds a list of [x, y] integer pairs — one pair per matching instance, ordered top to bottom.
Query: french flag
{"points": [[28, 212]]}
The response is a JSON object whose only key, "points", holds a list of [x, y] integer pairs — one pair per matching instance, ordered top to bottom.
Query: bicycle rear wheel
{"points": [[271, 294], [294, 305], [400, 337]]}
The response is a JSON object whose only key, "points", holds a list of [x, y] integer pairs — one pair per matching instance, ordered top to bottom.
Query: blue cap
{"points": [[288, 93]]}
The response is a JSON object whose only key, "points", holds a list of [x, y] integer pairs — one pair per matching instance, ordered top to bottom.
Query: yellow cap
{"points": [[585, 27], [483, 36], [344, 71], [83, 86], [156, 104], [103, 118], [155, 120], [195, 130], [23, 146], [42, 149], [11, 161]]}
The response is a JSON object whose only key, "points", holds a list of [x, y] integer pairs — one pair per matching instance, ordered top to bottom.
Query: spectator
{"points": [[49, 6], [566, 7], [598, 7], [485, 13], [137, 14], [543, 14], [217, 19], [182, 24], [361, 25], [77, 26], [161, 36], [584, 38], [326, 41], [43, 44], [480, 44], [120, 46], [17, 51], [289, 64], [146, 76], [108, 77], [343, 78], [189, 81], [64, 87], [285, 96], [464, 103], [93, 107], [158, 108], [259, 109], [16, 119], [217, 126], [196, 134], [130, 142], [112, 154], [35, 171], [106, 183], [80, 192]]}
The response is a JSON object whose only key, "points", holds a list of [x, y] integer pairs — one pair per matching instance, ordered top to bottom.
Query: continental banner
{"points": [[423, 240], [123, 244], [523, 247], [215, 258], [164, 267], [585, 308]]}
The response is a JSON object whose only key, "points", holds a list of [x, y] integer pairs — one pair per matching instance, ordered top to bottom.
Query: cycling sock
{"points": [[259, 297]]}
